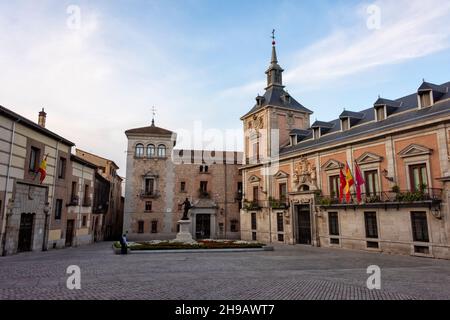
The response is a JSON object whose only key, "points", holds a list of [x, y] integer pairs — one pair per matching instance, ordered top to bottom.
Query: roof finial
{"points": [[273, 37], [423, 79], [153, 118]]}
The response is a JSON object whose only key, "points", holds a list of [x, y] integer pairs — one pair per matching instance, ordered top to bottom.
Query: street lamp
{"points": [[47, 213]]}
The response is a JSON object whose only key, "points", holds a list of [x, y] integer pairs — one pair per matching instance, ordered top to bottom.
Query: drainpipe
{"points": [[8, 175], [226, 202], [47, 216]]}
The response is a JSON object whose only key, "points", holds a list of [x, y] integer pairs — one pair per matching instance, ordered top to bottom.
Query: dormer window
{"points": [[286, 98], [425, 99], [259, 100], [380, 113], [345, 124], [316, 133]]}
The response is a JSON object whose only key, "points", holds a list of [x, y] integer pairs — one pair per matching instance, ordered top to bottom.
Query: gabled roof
{"points": [[431, 86], [274, 97], [386, 102], [351, 114], [322, 124], [32, 125], [150, 130], [299, 132], [82, 161]]}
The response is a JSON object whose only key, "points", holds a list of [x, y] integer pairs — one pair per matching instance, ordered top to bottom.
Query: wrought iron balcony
{"points": [[146, 194], [202, 194], [420, 198], [74, 200], [282, 203], [253, 205]]}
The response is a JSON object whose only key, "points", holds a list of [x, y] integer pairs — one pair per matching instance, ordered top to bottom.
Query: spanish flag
{"points": [[43, 169], [349, 182]]}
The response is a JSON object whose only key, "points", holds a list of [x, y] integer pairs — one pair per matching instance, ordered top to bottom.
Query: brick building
{"points": [[291, 173], [160, 178]]}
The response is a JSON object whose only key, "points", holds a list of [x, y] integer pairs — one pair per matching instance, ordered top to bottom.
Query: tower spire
{"points": [[274, 73], [153, 116]]}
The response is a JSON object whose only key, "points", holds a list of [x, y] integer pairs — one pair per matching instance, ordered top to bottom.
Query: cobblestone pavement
{"points": [[289, 272]]}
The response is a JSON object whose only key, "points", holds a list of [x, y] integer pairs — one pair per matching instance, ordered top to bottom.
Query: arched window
{"points": [[139, 150], [151, 151], [161, 151]]}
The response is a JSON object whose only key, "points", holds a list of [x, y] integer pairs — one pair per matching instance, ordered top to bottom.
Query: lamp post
{"points": [[9, 213], [47, 213]]}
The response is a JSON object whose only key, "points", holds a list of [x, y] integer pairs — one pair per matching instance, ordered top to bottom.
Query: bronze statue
{"points": [[187, 205]]}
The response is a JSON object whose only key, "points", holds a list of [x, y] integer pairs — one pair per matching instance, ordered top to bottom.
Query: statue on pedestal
{"points": [[187, 206]]}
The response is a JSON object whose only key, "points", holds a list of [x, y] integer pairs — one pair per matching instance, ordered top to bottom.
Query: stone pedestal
{"points": [[185, 234]]}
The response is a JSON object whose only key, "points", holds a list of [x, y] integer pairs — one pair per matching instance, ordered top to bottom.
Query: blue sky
{"points": [[203, 61]]}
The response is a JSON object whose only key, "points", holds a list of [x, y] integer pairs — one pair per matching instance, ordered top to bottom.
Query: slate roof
{"points": [[274, 97], [406, 113], [351, 114], [32, 125], [151, 130]]}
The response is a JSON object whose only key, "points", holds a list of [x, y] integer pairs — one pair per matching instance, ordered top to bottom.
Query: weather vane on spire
{"points": [[273, 37], [153, 115]]}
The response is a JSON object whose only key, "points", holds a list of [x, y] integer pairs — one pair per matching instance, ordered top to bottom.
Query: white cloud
{"points": [[410, 29]]}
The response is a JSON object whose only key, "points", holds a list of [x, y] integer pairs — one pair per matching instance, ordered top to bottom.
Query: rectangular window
{"points": [[425, 100], [380, 114], [345, 124], [256, 151], [34, 159], [62, 168], [201, 168], [418, 176], [371, 178], [149, 186], [183, 186], [204, 186], [334, 186], [282, 190], [74, 192], [255, 193], [86, 199], [148, 206], [58, 209], [370, 219], [253, 221], [84, 222], [333, 223], [280, 224], [140, 226], [154, 226], [234, 226], [419, 226], [254, 236], [281, 237], [372, 245]]}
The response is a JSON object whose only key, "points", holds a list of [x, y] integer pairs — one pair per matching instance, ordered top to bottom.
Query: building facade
{"points": [[292, 171], [160, 179], [113, 211], [37, 216]]}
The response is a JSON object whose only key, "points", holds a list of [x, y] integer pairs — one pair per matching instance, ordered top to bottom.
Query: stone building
{"points": [[292, 170], [159, 179], [38, 216], [113, 217]]}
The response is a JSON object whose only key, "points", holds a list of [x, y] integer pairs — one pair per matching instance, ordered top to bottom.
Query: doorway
{"points": [[303, 213], [202, 226], [25, 232], [69, 232]]}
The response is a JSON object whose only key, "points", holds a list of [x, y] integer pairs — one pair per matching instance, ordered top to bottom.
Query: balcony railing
{"points": [[145, 194], [202, 194], [238, 196], [427, 196], [74, 200], [87, 202], [253, 205]]}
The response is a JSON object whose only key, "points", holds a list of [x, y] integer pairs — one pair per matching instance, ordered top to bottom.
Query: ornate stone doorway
{"points": [[303, 217], [203, 226]]}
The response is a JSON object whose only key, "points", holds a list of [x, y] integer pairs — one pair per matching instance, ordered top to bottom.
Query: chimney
{"points": [[42, 117]]}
